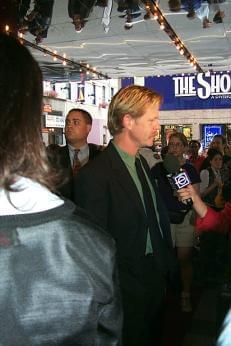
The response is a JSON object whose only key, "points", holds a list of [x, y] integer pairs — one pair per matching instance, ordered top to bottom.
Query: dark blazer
{"points": [[105, 188], [67, 189]]}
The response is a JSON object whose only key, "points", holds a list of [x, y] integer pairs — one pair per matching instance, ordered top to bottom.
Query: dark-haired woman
{"points": [[211, 178], [182, 230], [58, 280]]}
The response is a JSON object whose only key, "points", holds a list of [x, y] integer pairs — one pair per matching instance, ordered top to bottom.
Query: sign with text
{"points": [[194, 91], [54, 121], [209, 131]]}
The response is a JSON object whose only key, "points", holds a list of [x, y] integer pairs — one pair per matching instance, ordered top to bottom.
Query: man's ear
{"points": [[127, 121], [89, 126]]}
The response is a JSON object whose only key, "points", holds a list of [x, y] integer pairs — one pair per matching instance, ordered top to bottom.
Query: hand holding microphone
{"points": [[177, 177], [187, 193]]}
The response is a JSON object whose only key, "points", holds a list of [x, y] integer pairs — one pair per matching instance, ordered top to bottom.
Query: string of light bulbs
{"points": [[153, 8], [54, 54]]}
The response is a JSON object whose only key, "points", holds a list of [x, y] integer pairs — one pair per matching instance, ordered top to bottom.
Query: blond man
{"points": [[116, 187]]}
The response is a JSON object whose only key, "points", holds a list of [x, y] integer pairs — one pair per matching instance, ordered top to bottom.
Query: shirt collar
{"points": [[83, 148], [129, 159]]}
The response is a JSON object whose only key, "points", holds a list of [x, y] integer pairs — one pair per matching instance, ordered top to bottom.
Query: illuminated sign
{"points": [[207, 85], [209, 131]]}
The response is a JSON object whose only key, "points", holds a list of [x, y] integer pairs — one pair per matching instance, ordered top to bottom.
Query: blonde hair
{"points": [[132, 100]]}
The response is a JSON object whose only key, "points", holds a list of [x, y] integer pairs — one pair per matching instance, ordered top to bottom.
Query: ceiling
{"points": [[144, 50]]}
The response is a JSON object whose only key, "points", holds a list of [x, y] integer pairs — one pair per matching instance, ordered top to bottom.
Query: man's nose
{"points": [[157, 125]]}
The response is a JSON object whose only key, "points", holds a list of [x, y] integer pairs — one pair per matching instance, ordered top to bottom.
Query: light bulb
{"points": [[155, 16]]}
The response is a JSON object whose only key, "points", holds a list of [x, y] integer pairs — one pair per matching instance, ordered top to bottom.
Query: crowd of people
{"points": [[200, 9], [37, 20], [90, 237]]}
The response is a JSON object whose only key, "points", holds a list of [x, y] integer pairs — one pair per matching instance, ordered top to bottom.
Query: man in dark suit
{"points": [[77, 128], [77, 151], [111, 188]]}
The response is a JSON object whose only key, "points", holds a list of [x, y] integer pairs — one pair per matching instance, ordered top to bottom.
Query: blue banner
{"points": [[126, 81], [192, 91], [200, 91]]}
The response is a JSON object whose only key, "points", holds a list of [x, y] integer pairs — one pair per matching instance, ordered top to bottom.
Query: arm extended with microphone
{"points": [[177, 177]]}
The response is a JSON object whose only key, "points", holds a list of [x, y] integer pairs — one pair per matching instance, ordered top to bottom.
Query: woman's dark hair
{"points": [[22, 151], [164, 151], [212, 152], [210, 155], [59, 164]]}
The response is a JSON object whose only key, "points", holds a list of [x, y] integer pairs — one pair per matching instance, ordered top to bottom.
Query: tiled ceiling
{"points": [[144, 50]]}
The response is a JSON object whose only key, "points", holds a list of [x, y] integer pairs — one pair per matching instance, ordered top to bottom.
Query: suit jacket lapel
{"points": [[91, 151], [67, 156], [162, 211]]}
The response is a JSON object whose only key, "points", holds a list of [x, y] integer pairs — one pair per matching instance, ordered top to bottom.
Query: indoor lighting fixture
{"points": [[155, 15], [164, 25], [55, 56]]}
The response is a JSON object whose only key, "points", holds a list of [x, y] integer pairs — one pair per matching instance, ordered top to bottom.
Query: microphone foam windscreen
{"points": [[171, 163]]}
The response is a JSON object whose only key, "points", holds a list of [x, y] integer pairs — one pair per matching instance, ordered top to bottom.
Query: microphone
{"points": [[177, 177]]}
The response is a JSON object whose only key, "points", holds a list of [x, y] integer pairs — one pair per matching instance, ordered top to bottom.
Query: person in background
{"points": [[194, 8], [79, 12], [38, 21], [77, 128], [219, 142], [227, 150], [77, 152], [150, 155], [194, 158], [211, 178], [117, 188], [180, 214], [209, 219], [183, 233], [212, 245], [58, 277]]}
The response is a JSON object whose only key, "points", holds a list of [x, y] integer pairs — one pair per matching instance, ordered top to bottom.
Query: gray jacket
{"points": [[58, 280]]}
